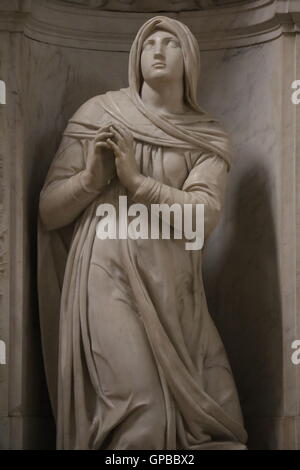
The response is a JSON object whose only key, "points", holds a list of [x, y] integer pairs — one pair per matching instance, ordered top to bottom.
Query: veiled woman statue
{"points": [[133, 359]]}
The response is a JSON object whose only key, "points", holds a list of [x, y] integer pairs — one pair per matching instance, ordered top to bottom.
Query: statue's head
{"points": [[165, 49], [162, 58]]}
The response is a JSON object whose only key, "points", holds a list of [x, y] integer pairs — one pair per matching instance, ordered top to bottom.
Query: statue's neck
{"points": [[165, 98]]}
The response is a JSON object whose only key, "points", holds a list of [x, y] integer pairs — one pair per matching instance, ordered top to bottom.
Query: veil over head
{"points": [[190, 52]]}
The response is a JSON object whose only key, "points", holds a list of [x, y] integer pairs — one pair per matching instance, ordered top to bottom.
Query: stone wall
{"points": [[54, 55]]}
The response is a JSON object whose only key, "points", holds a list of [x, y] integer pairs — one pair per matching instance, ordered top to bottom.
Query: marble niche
{"points": [[57, 54]]}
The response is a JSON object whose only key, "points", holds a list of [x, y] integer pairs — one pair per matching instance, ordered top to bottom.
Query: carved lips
{"points": [[158, 65]]}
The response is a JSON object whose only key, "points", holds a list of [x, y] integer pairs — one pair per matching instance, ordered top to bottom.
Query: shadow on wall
{"points": [[241, 277], [45, 439]]}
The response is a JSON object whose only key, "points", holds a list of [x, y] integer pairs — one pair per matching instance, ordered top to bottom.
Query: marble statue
{"points": [[132, 357]]}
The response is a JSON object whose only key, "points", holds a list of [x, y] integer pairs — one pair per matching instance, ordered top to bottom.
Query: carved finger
{"points": [[106, 127], [116, 131], [125, 133], [103, 135], [119, 136], [120, 139], [102, 144], [114, 146]]}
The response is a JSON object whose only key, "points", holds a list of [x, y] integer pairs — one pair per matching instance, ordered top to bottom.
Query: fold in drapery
{"points": [[189, 131]]}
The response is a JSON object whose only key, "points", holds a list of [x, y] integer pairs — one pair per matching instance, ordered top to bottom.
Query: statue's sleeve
{"points": [[205, 184], [64, 195]]}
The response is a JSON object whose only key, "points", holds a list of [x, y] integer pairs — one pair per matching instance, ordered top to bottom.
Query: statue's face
{"points": [[162, 58]]}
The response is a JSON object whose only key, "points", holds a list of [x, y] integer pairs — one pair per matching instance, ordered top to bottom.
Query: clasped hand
{"points": [[120, 141]]}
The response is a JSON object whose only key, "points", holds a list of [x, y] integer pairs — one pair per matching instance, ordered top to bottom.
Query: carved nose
{"points": [[158, 51], [158, 56]]}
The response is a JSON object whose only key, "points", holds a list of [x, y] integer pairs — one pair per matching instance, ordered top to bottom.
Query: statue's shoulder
{"points": [[91, 109]]}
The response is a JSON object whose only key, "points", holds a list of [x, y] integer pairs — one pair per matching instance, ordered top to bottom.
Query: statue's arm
{"points": [[205, 184], [66, 192]]}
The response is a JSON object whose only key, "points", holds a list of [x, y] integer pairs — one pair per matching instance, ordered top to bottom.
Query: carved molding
{"points": [[151, 5], [62, 22]]}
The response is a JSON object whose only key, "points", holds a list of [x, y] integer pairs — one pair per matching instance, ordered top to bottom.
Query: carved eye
{"points": [[173, 43], [148, 46]]}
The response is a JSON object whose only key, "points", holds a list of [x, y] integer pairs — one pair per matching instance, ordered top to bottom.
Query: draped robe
{"points": [[140, 364]]}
